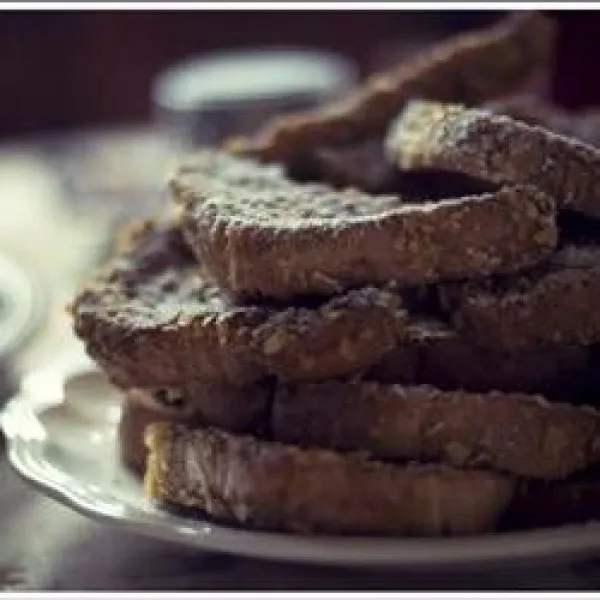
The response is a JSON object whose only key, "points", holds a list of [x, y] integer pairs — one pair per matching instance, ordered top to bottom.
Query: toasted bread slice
{"points": [[471, 68], [583, 125], [499, 149], [260, 234], [555, 304], [152, 320], [435, 353], [236, 409], [514, 433], [272, 486]]}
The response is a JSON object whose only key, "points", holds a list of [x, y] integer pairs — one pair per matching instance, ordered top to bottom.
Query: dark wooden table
{"points": [[45, 546]]}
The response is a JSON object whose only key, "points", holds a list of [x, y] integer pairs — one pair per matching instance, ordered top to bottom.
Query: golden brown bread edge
{"points": [[233, 408], [239, 479]]}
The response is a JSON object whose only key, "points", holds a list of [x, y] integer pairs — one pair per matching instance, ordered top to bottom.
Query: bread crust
{"points": [[470, 68], [583, 125], [499, 149], [260, 234], [556, 304], [151, 319], [435, 353], [236, 409], [514, 433], [272, 486]]}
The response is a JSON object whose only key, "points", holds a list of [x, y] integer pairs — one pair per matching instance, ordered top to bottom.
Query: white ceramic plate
{"points": [[61, 437]]}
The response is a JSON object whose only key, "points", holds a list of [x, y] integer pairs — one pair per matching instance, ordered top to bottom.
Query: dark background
{"points": [[69, 69]]}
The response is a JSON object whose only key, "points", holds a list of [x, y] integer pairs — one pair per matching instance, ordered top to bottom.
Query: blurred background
{"points": [[71, 69], [94, 105]]}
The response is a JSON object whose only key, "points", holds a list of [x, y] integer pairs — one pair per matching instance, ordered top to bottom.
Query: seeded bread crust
{"points": [[470, 68], [498, 149], [260, 234], [557, 304], [152, 320], [434, 353], [236, 409], [514, 433], [272, 486]]}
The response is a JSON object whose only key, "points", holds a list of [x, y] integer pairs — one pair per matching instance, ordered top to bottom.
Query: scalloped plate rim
{"points": [[28, 459]]}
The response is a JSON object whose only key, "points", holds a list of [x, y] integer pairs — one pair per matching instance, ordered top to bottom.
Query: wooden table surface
{"points": [[45, 546]]}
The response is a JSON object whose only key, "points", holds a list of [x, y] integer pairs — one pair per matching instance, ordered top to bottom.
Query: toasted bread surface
{"points": [[259, 234], [152, 319], [268, 485]]}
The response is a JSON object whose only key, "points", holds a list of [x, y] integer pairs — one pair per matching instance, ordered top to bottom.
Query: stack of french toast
{"points": [[378, 317]]}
